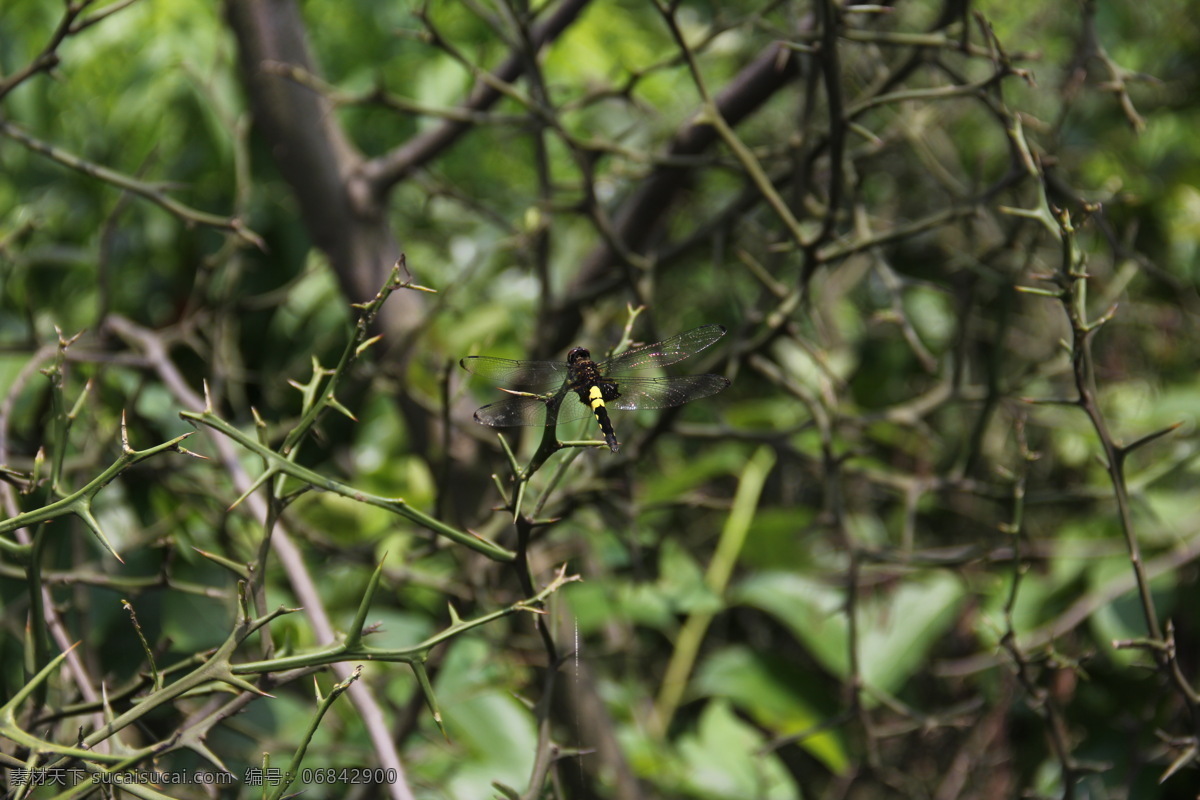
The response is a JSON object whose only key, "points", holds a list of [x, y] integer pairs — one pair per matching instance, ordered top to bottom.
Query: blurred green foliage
{"points": [[923, 530]]}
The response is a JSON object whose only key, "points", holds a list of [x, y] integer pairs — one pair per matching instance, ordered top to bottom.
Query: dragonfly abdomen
{"points": [[593, 391], [595, 400]]}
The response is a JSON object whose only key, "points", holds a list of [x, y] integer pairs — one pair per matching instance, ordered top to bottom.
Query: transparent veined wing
{"points": [[664, 353], [531, 376], [559, 381], [638, 393], [529, 412]]}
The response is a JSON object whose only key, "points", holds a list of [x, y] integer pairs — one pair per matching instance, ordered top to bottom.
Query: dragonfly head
{"points": [[578, 354]]}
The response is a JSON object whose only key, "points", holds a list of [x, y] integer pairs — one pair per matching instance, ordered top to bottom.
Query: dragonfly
{"points": [[548, 392]]}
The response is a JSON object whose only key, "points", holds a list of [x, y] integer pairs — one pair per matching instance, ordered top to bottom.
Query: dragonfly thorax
{"points": [[583, 374]]}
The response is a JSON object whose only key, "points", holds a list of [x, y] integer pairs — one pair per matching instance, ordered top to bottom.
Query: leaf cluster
{"points": [[936, 538]]}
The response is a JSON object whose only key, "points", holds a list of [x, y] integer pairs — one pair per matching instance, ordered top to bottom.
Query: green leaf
{"points": [[682, 582], [811, 609], [897, 625], [898, 628], [776, 696], [498, 741], [725, 763]]}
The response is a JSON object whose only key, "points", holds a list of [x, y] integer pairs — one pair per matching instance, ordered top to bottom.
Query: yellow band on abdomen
{"points": [[595, 397]]}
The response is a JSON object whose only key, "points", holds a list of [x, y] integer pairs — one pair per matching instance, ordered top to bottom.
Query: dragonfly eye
{"points": [[577, 355]]}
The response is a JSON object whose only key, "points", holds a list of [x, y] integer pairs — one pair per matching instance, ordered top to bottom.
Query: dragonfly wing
{"points": [[668, 351], [534, 376], [665, 392], [572, 409], [513, 412], [528, 412]]}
